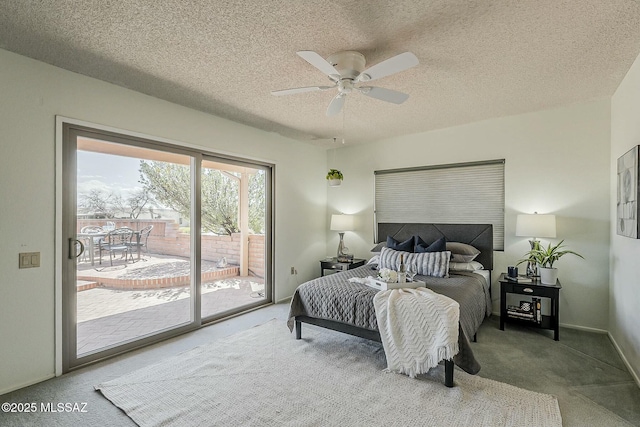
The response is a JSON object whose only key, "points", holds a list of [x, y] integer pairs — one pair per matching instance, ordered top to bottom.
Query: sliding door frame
{"points": [[67, 132]]}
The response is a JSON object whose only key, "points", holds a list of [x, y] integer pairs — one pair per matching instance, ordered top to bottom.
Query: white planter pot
{"points": [[334, 182], [548, 276]]}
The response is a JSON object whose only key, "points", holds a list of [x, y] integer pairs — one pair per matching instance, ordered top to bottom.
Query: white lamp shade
{"points": [[342, 222], [536, 225]]}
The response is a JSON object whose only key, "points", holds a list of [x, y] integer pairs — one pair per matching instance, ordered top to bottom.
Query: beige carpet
{"points": [[264, 377]]}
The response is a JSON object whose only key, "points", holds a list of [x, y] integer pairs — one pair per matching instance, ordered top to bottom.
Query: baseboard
{"points": [[568, 325], [584, 328], [624, 359], [26, 384]]}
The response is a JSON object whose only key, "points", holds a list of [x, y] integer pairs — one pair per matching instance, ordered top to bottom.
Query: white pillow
{"points": [[462, 252], [465, 266]]}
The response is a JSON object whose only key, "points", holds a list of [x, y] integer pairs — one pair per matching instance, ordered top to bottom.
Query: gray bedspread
{"points": [[334, 298]]}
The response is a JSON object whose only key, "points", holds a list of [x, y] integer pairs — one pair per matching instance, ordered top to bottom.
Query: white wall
{"points": [[33, 93], [557, 161], [624, 297]]}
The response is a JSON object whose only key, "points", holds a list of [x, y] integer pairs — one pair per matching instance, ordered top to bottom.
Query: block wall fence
{"points": [[166, 239]]}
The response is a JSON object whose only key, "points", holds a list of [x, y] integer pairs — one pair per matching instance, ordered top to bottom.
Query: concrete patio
{"points": [[109, 314]]}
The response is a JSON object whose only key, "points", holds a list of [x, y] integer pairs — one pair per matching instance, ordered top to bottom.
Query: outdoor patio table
{"points": [[90, 237]]}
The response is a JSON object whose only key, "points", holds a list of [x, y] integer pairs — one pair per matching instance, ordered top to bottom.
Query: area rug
{"points": [[265, 377]]}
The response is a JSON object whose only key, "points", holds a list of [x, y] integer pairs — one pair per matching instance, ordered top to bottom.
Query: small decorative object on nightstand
{"points": [[334, 264], [528, 313]]}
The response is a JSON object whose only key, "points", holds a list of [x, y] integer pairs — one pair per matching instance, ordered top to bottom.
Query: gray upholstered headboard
{"points": [[477, 235]]}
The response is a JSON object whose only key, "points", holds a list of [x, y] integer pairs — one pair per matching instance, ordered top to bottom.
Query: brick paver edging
{"points": [[162, 282]]}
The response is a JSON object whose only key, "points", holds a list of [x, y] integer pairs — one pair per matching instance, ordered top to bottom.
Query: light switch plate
{"points": [[29, 260]]}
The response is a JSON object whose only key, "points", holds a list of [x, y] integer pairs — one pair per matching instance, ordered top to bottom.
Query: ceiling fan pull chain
{"points": [[344, 114]]}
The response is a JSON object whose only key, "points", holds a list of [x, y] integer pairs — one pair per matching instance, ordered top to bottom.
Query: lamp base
{"points": [[343, 252], [532, 268]]}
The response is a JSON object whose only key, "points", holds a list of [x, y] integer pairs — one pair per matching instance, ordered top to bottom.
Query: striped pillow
{"points": [[390, 258], [433, 263], [425, 264]]}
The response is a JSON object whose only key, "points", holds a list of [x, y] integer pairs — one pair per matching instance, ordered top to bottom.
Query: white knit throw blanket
{"points": [[418, 327]]}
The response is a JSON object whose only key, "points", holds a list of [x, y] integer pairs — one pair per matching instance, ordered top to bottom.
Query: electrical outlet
{"points": [[293, 270]]}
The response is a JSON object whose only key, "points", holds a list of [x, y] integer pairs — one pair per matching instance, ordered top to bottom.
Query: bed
{"points": [[335, 303]]}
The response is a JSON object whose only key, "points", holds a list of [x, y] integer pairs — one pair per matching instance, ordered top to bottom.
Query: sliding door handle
{"points": [[73, 248]]}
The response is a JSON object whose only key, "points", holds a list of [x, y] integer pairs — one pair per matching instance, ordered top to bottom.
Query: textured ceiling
{"points": [[478, 59]]}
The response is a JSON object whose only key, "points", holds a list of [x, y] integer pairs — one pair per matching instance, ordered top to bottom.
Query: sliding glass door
{"points": [[233, 215], [156, 239]]}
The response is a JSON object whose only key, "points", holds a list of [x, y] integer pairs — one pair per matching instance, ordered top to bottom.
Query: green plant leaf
{"points": [[334, 174], [546, 257]]}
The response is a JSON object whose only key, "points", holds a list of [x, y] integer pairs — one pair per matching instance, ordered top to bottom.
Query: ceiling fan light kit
{"points": [[349, 64], [347, 70]]}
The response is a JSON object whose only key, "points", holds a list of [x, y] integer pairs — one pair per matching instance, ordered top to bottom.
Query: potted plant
{"points": [[334, 177], [545, 258]]}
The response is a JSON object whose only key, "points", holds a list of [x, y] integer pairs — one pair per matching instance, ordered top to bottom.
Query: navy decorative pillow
{"points": [[406, 246], [421, 246]]}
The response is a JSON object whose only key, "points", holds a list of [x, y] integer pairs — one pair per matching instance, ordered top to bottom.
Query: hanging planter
{"points": [[334, 177]]}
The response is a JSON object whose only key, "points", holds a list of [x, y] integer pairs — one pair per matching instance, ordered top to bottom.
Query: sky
{"points": [[107, 172]]}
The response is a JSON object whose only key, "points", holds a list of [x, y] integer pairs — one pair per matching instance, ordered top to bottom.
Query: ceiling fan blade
{"points": [[318, 61], [393, 65], [300, 90], [383, 94], [335, 105]]}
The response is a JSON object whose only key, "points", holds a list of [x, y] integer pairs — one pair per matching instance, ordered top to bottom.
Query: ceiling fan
{"points": [[346, 71]]}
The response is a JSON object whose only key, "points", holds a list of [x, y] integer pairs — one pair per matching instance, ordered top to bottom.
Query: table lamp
{"points": [[342, 223], [533, 226]]}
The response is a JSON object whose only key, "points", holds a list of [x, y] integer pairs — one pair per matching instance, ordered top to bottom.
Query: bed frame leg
{"points": [[298, 329], [448, 373]]}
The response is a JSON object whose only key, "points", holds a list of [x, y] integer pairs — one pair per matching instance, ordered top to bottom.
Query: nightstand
{"points": [[333, 264], [534, 289]]}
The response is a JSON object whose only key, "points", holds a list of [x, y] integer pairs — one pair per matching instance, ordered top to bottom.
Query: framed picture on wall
{"points": [[627, 199]]}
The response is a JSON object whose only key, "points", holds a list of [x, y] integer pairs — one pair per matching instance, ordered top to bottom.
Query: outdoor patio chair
{"points": [[91, 229], [115, 241], [141, 243]]}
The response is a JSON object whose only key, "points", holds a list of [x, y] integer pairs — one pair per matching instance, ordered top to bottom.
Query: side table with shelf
{"points": [[334, 264], [532, 289]]}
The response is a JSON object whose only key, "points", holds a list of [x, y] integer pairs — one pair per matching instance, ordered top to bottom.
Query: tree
{"points": [[170, 184], [257, 193], [220, 198], [137, 201], [98, 202], [107, 205]]}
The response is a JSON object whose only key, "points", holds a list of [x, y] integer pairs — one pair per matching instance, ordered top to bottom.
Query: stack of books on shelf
{"points": [[528, 310]]}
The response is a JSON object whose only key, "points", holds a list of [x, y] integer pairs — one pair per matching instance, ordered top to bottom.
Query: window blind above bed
{"points": [[463, 193]]}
